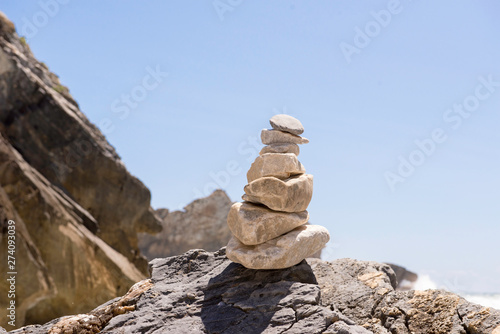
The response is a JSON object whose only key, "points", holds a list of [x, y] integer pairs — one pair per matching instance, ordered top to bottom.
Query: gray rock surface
{"points": [[286, 123], [202, 224], [202, 292]]}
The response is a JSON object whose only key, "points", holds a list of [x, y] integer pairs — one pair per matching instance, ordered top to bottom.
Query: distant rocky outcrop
{"points": [[76, 208], [202, 224], [406, 279], [203, 292]]}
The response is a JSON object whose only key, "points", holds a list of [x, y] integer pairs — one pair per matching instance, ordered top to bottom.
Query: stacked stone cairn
{"points": [[270, 228]]}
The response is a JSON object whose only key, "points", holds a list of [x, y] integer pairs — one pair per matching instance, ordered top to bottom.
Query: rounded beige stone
{"points": [[278, 137], [281, 148], [277, 165], [290, 195], [254, 224], [282, 252]]}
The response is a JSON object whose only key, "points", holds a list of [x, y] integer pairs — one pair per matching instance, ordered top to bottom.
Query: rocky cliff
{"points": [[43, 123], [77, 210], [202, 224], [62, 267], [203, 292]]}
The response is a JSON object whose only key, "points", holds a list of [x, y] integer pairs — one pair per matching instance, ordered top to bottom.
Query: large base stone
{"points": [[277, 165], [290, 195], [254, 224], [281, 252]]}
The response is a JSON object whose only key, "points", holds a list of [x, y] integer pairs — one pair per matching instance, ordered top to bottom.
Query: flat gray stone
{"points": [[286, 123], [279, 137], [281, 148]]}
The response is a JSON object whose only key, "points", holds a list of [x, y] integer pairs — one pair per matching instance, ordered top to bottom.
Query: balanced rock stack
{"points": [[270, 229]]}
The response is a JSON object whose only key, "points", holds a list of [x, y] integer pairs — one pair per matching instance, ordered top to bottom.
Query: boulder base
{"points": [[202, 292]]}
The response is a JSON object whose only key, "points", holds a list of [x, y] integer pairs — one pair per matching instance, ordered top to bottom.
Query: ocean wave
{"points": [[425, 282], [490, 300]]}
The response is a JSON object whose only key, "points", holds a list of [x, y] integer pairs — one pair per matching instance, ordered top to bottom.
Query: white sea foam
{"points": [[425, 282], [490, 300]]}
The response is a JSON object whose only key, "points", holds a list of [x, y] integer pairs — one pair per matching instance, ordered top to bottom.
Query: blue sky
{"points": [[182, 90]]}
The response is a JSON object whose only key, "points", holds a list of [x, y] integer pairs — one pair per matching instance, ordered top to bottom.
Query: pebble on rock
{"points": [[286, 123], [275, 136], [254, 224]]}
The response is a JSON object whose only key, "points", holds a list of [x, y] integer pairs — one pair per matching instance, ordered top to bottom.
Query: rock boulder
{"points": [[202, 292]]}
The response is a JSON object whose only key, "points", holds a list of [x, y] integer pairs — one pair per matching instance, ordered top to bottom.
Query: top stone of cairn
{"points": [[286, 123]]}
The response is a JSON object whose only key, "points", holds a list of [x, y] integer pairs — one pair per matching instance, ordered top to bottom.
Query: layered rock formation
{"points": [[43, 123], [77, 210], [202, 224], [270, 230], [62, 267], [202, 292]]}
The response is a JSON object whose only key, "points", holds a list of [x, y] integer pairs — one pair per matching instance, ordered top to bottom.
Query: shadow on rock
{"points": [[241, 300]]}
